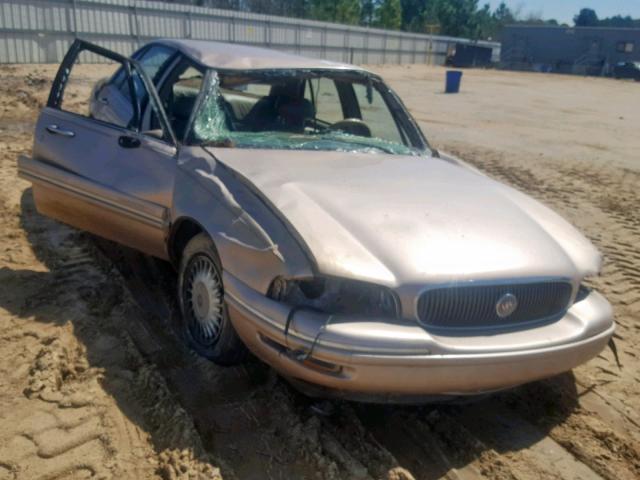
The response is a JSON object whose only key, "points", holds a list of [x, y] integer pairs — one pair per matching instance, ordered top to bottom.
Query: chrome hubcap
{"points": [[204, 298]]}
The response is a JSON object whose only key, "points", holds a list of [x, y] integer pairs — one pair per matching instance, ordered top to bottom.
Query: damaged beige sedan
{"points": [[310, 222]]}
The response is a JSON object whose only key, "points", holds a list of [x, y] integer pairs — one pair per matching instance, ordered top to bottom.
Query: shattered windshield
{"points": [[300, 110]]}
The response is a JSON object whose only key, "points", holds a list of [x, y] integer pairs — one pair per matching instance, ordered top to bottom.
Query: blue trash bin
{"points": [[453, 81]]}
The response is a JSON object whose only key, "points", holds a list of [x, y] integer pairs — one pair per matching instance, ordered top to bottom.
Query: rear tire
{"points": [[206, 327]]}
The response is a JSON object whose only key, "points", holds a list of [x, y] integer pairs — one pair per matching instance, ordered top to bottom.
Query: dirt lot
{"points": [[94, 385]]}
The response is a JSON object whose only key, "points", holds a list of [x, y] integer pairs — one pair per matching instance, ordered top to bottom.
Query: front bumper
{"points": [[361, 358]]}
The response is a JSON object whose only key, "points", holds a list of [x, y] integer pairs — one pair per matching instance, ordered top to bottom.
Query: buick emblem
{"points": [[506, 305]]}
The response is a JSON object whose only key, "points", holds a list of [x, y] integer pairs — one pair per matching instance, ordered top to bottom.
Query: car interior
{"points": [[178, 96], [290, 104], [284, 108]]}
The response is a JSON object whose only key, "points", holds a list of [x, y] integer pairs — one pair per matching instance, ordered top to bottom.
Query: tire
{"points": [[205, 323]]}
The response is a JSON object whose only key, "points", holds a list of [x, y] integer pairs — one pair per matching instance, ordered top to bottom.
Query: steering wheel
{"points": [[229, 114], [354, 126]]}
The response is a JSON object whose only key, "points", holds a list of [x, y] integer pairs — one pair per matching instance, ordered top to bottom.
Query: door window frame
{"points": [[178, 61], [130, 65]]}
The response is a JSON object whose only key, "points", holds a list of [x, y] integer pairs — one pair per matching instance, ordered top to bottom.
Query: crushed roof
{"points": [[234, 56]]}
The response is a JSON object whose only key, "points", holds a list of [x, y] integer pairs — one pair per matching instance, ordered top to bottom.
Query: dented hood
{"points": [[397, 220]]}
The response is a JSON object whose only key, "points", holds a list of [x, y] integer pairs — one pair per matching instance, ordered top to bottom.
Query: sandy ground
{"points": [[93, 384]]}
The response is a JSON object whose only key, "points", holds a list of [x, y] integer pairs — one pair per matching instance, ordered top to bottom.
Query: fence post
{"points": [[75, 19], [133, 23], [232, 29], [267, 32], [188, 33], [323, 41], [345, 46], [366, 47], [384, 48], [415, 50]]}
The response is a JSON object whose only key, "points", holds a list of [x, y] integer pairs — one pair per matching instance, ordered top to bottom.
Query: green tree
{"points": [[289, 8], [324, 10], [340, 11], [348, 11], [368, 12], [413, 14], [390, 15], [503, 15], [449, 17], [456, 17], [586, 18], [620, 21], [485, 22], [492, 28]]}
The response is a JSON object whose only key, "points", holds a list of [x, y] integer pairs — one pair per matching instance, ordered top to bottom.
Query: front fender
{"points": [[254, 241]]}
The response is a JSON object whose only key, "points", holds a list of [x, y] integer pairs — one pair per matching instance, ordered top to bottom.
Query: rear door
{"points": [[101, 172]]}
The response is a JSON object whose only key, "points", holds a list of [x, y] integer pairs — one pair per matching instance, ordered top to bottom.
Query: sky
{"points": [[564, 10]]}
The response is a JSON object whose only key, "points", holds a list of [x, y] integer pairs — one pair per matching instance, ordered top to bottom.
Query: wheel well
{"points": [[184, 231]]}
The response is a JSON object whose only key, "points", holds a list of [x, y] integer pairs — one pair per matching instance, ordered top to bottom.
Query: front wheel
{"points": [[205, 321]]}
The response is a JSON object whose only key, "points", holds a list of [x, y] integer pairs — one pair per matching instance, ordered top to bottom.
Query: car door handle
{"points": [[104, 101], [56, 130], [128, 142]]}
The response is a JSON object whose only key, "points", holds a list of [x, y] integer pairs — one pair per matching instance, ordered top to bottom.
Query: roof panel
{"points": [[243, 57]]}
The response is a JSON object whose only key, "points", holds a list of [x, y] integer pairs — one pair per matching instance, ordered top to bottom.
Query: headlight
{"points": [[587, 285], [583, 292], [336, 296]]}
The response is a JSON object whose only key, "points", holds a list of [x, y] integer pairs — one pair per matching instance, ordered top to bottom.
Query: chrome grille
{"points": [[475, 305]]}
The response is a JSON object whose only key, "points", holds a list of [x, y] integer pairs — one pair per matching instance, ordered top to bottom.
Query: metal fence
{"points": [[40, 31]]}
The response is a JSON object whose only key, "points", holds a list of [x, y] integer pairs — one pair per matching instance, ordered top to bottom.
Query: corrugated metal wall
{"points": [[39, 31], [568, 50]]}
